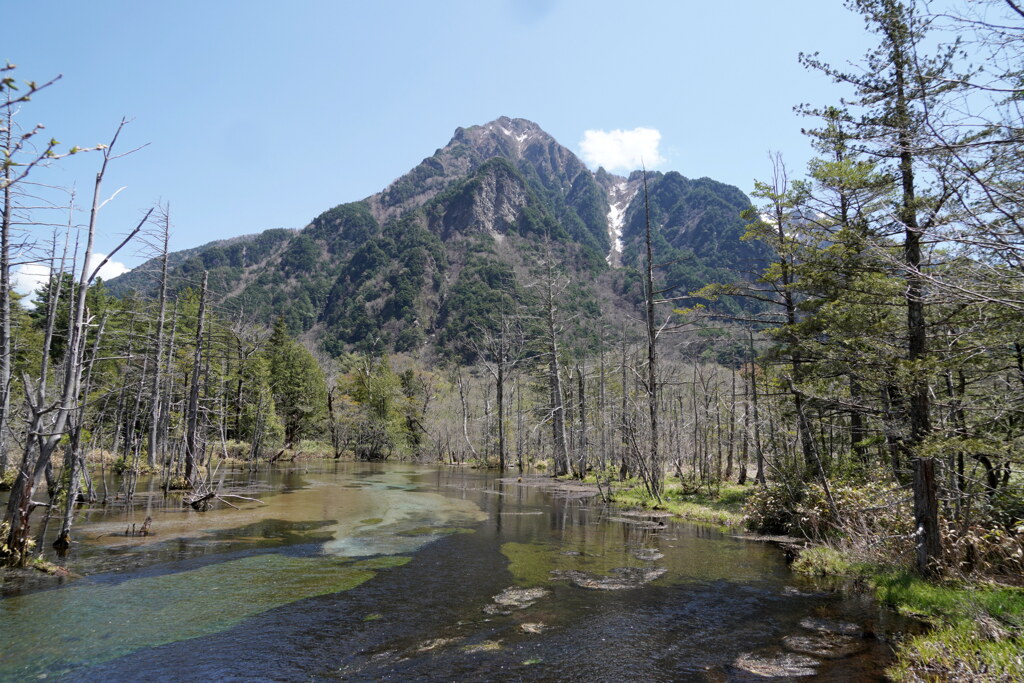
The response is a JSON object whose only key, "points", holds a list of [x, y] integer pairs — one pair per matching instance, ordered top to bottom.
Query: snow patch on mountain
{"points": [[619, 197]]}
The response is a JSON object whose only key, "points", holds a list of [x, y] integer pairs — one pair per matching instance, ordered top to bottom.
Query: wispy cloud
{"points": [[622, 150]]}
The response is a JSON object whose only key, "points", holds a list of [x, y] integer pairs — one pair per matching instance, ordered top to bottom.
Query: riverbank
{"points": [[723, 506], [976, 628]]}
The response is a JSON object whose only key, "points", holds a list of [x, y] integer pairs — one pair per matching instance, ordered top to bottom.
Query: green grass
{"points": [[724, 507], [822, 560], [976, 629]]}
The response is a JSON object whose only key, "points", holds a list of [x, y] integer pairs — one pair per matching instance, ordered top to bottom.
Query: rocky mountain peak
{"points": [[504, 136], [520, 141], [427, 259]]}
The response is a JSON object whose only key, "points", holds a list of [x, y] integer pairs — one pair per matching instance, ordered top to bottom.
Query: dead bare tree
{"points": [[500, 352], [156, 402], [192, 414], [43, 435]]}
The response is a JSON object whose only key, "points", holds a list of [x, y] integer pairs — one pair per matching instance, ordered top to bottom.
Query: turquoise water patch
{"points": [[88, 623]]}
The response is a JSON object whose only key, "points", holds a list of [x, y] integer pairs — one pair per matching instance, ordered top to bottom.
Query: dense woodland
{"points": [[866, 380]]}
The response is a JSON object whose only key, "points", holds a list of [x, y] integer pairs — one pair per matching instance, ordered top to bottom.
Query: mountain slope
{"points": [[456, 240]]}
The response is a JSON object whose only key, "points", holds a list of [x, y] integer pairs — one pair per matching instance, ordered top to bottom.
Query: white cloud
{"points": [[624, 150], [110, 270], [27, 278]]}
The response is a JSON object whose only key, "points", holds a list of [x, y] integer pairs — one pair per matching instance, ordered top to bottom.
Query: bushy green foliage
{"points": [[297, 385], [257, 416], [381, 426], [770, 509], [875, 512]]}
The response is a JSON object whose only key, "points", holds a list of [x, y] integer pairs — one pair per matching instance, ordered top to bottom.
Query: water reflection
{"points": [[544, 588]]}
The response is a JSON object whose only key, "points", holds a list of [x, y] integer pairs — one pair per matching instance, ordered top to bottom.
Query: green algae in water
{"points": [[372, 520], [433, 531], [615, 547], [386, 562], [531, 564], [87, 623], [485, 646]]}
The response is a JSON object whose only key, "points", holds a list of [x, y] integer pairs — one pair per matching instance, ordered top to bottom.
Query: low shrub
{"points": [[769, 509], [985, 550]]}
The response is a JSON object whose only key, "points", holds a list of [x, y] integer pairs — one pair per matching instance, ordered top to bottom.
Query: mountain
{"points": [[438, 253]]}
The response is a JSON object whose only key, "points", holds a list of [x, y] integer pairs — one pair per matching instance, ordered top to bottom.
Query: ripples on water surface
{"points": [[394, 572]]}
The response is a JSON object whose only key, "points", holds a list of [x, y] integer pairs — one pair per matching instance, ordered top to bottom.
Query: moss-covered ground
{"points": [[723, 506], [976, 629]]}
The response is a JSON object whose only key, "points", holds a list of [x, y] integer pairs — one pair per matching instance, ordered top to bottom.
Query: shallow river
{"points": [[354, 571]]}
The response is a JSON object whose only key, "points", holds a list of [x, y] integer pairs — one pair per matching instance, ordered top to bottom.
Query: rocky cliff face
{"points": [[430, 257]]}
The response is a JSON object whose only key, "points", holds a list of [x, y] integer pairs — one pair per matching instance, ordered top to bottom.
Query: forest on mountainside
{"points": [[864, 384]]}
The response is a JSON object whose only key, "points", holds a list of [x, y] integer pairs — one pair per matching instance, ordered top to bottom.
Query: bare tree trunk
{"points": [[6, 219], [555, 373], [500, 391], [156, 403], [602, 405], [465, 415], [192, 416], [332, 424], [732, 428], [582, 445], [745, 452], [74, 461], [623, 467], [655, 468], [759, 476]]}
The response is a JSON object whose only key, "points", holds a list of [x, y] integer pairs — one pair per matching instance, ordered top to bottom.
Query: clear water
{"points": [[356, 571]]}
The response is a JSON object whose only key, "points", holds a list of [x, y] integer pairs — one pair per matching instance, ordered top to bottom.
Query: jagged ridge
{"points": [[426, 260]]}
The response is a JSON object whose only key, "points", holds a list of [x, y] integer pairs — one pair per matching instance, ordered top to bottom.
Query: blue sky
{"points": [[263, 114]]}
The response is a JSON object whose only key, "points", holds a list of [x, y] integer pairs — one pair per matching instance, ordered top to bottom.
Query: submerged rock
{"points": [[650, 514], [638, 523], [648, 554], [622, 578], [513, 598], [532, 627], [843, 628], [434, 644], [826, 645], [777, 666]]}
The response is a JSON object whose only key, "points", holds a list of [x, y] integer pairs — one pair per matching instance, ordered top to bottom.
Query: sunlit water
{"points": [[395, 572]]}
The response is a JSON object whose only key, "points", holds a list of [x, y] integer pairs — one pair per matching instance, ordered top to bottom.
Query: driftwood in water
{"points": [[280, 452], [199, 502], [141, 531]]}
